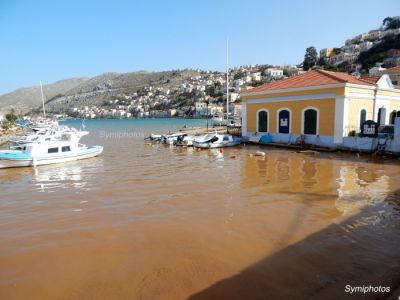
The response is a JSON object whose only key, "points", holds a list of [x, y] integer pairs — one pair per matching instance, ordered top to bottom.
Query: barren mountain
{"points": [[108, 86], [77, 92], [24, 99]]}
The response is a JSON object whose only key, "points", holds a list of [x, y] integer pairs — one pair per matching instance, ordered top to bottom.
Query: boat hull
{"points": [[205, 145], [85, 153]]}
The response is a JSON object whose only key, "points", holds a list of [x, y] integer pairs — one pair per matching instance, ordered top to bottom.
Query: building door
{"points": [[363, 117], [262, 121], [284, 121], [310, 121]]}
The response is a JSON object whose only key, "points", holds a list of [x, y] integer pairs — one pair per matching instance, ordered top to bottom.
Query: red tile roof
{"points": [[396, 68], [311, 78], [371, 79]]}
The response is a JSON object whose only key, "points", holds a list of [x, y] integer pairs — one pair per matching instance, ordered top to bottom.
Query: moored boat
{"points": [[216, 140], [57, 150]]}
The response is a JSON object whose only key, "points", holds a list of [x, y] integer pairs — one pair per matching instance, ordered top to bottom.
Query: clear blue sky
{"points": [[54, 40]]}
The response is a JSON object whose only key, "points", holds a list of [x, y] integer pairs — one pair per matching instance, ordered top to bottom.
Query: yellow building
{"points": [[326, 53], [319, 107]]}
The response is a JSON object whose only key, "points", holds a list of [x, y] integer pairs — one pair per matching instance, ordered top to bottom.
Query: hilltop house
{"points": [[326, 53], [374, 71], [273, 73], [394, 74], [317, 107], [201, 108]]}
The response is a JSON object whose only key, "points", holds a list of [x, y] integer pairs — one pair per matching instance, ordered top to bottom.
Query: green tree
{"points": [[391, 23], [378, 52], [310, 58], [322, 62], [333, 68], [239, 75], [11, 117]]}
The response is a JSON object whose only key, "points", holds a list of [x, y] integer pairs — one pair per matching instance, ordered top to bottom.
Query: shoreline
{"points": [[5, 135]]}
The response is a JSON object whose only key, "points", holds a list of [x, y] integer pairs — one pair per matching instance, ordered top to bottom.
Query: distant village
{"points": [[346, 57], [198, 96]]}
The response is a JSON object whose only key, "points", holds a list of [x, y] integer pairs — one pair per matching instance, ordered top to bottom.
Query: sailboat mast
{"points": [[227, 81], [41, 91]]}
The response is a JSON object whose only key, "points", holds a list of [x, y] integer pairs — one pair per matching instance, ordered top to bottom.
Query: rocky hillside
{"points": [[98, 90], [79, 92], [24, 99]]}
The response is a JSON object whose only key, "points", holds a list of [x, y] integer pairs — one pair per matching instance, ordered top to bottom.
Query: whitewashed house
{"points": [[364, 46], [375, 71], [273, 73], [256, 76], [234, 96], [201, 108]]}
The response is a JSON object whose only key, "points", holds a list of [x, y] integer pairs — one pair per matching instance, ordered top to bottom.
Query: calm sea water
{"points": [[147, 221]]}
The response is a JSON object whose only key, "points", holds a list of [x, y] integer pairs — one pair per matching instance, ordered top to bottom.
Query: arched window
{"points": [[363, 116], [382, 116], [262, 117], [392, 117], [283, 121], [310, 121]]}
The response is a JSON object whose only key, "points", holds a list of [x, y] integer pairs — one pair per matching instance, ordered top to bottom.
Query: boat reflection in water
{"points": [[72, 175]]}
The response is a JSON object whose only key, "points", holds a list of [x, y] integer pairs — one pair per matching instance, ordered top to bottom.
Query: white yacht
{"points": [[61, 147]]}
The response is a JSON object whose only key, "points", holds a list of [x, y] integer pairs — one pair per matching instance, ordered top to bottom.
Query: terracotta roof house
{"points": [[317, 107]]}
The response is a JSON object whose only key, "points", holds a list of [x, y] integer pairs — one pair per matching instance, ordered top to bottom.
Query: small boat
{"points": [[223, 120], [44, 134], [156, 138], [172, 139], [185, 140], [216, 140], [60, 149]]}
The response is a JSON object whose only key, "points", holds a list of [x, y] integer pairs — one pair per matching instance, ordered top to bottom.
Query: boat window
{"points": [[310, 121], [226, 138], [66, 148], [52, 150]]}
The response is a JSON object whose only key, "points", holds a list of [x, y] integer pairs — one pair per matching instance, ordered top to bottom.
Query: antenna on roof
{"points": [[227, 80]]}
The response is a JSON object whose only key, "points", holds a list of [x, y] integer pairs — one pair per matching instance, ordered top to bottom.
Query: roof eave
{"points": [[305, 88]]}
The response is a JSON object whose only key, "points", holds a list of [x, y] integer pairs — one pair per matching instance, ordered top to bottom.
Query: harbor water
{"points": [[150, 221]]}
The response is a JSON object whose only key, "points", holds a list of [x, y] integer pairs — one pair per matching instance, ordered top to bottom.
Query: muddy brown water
{"points": [[156, 222]]}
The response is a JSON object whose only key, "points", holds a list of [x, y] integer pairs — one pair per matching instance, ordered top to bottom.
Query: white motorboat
{"points": [[223, 120], [42, 135], [156, 138], [176, 139], [185, 140], [216, 140], [60, 149]]}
